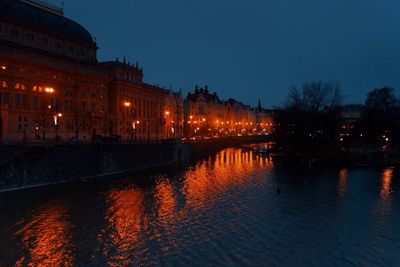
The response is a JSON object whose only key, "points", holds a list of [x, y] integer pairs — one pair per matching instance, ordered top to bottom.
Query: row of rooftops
{"points": [[203, 94]]}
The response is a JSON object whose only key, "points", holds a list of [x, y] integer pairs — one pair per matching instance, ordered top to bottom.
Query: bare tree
{"points": [[315, 96]]}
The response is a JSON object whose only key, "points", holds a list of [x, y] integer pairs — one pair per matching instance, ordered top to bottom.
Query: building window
{"points": [[14, 32], [45, 41], [57, 45], [4, 84], [20, 86], [38, 89], [5, 98], [18, 101], [34, 102]]}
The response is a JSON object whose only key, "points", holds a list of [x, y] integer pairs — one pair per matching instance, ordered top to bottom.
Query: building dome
{"points": [[42, 19]]}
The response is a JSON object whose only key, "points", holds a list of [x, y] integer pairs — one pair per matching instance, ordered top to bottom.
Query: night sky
{"points": [[250, 49]]}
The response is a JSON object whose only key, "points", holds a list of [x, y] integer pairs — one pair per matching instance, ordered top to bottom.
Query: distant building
{"points": [[203, 111], [351, 113], [173, 115], [207, 115], [264, 119]]}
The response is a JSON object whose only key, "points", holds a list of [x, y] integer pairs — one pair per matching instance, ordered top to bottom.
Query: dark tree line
{"points": [[312, 114], [381, 116]]}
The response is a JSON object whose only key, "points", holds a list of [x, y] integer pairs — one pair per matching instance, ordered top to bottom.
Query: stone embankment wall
{"points": [[37, 165]]}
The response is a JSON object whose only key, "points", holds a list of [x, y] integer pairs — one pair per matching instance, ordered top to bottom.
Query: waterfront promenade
{"points": [[24, 166]]}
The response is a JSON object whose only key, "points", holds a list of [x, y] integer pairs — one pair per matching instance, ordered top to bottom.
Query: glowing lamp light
{"points": [[3, 67], [49, 90], [127, 104], [167, 113], [59, 115], [191, 117], [204, 119], [137, 122]]}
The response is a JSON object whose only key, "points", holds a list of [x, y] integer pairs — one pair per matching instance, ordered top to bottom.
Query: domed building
{"points": [[53, 87]]}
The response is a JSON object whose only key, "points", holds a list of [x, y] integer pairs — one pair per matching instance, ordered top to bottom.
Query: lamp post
{"points": [[48, 91], [127, 106], [56, 118], [167, 123], [136, 124]]}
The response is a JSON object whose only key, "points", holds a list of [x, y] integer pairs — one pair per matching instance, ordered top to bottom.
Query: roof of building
{"points": [[42, 19], [204, 93]]}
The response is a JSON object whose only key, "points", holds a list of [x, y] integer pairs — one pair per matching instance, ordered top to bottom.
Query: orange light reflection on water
{"points": [[343, 174], [210, 179], [386, 189], [168, 217], [125, 222], [47, 238]]}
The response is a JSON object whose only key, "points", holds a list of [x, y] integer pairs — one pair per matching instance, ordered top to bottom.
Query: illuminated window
{"points": [[4, 84], [20, 86], [38, 89]]}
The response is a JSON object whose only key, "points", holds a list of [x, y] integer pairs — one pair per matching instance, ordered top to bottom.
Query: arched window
{"points": [[4, 84], [20, 86], [38, 89]]}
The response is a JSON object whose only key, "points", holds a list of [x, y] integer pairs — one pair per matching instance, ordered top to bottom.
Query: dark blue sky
{"points": [[250, 49]]}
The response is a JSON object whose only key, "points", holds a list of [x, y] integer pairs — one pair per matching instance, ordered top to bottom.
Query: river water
{"points": [[222, 211]]}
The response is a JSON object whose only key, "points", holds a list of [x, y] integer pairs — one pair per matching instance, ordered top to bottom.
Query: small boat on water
{"points": [[263, 149]]}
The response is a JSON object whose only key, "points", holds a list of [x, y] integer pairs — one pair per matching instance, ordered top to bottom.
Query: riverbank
{"points": [[333, 154], [32, 166]]}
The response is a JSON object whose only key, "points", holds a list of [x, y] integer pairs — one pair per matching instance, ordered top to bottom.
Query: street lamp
{"points": [[127, 105], [56, 123], [167, 124]]}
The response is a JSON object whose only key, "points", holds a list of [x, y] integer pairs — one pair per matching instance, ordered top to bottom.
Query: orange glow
{"points": [[3, 67], [49, 90], [127, 104], [49, 106], [167, 113], [59, 115], [191, 117], [204, 119], [137, 122], [228, 170], [342, 181], [386, 188], [166, 202], [125, 221], [47, 238]]}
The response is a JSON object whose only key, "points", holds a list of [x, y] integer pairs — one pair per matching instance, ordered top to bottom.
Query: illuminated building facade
{"points": [[53, 87], [203, 112], [173, 115], [207, 115], [264, 119]]}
